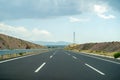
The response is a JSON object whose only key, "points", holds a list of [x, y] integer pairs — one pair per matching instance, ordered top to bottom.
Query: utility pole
{"points": [[73, 37]]}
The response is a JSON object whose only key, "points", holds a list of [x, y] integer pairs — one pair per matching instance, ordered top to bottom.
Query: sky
{"points": [[56, 20]]}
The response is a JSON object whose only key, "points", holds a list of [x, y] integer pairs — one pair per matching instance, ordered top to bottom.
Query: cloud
{"points": [[114, 4], [20, 9], [101, 11], [106, 16], [73, 19], [24, 33]]}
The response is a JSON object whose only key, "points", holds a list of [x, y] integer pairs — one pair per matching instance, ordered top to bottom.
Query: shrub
{"points": [[21, 54], [116, 55]]}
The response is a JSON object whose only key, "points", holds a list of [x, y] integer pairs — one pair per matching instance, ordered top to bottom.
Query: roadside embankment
{"points": [[110, 49]]}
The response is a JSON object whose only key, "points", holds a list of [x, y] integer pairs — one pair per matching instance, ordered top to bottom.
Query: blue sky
{"points": [[56, 20]]}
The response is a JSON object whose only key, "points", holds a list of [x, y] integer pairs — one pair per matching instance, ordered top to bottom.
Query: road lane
{"points": [[59, 65], [65, 67], [109, 68], [23, 69]]}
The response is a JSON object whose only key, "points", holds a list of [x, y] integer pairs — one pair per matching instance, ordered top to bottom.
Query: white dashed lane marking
{"points": [[39, 68], [95, 69]]}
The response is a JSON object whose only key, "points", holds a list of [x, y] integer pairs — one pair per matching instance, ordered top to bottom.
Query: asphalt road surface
{"points": [[60, 65]]}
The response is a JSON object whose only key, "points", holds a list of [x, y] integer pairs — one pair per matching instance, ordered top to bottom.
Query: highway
{"points": [[60, 65]]}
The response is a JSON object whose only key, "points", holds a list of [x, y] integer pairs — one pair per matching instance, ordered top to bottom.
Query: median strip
{"points": [[39, 68], [95, 69]]}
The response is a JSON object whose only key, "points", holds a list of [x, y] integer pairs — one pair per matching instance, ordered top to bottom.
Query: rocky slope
{"points": [[7, 42]]}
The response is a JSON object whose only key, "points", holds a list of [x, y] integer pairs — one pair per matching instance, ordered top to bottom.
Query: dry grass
{"points": [[97, 52], [9, 56]]}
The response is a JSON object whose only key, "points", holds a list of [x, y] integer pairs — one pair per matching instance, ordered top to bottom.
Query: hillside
{"points": [[7, 42], [97, 47]]}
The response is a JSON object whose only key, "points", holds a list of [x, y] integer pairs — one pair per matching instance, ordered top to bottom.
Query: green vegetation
{"points": [[1, 38], [21, 54], [116, 55]]}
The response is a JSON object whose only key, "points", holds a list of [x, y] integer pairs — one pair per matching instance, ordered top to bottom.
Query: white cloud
{"points": [[101, 11], [106, 17], [73, 19], [40, 32], [24, 33]]}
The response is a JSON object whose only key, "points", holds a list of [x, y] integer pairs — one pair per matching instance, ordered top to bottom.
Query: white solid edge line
{"points": [[74, 57], [16, 58], [102, 59], [39, 67], [95, 69]]}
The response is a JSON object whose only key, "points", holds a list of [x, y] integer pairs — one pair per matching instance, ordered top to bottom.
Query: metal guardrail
{"points": [[3, 52]]}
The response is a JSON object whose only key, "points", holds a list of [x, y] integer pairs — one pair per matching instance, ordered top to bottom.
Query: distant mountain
{"points": [[7, 42], [52, 43]]}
